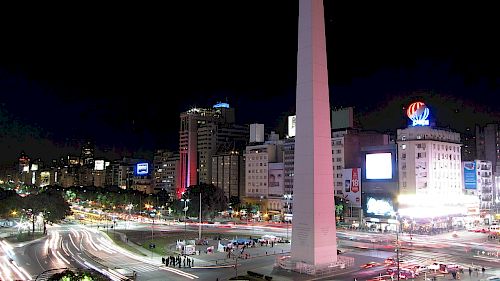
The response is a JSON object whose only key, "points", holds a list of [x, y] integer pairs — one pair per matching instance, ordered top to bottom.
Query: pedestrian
{"points": [[162, 260], [184, 262], [192, 262], [483, 269], [470, 271]]}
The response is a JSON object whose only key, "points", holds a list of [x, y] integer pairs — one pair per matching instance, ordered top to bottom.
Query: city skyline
{"points": [[123, 82]]}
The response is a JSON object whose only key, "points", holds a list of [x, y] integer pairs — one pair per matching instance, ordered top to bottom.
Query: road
{"points": [[77, 246]]}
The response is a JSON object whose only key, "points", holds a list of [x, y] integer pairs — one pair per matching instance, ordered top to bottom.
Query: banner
{"points": [[470, 181], [352, 186]]}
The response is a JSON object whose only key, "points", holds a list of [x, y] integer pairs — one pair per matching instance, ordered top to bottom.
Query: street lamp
{"points": [[287, 197], [185, 214], [398, 226]]}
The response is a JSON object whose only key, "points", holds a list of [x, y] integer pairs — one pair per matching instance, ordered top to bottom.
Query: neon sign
{"points": [[221, 105], [418, 112]]}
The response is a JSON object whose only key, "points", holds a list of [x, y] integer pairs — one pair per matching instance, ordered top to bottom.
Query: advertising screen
{"points": [[291, 125], [99, 165], [379, 166], [142, 169], [470, 180], [352, 186], [379, 205]]}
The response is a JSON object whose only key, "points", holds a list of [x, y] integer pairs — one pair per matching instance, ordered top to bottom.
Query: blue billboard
{"points": [[141, 169], [470, 180]]}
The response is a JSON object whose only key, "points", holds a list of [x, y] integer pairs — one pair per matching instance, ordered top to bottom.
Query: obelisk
{"points": [[314, 231]]}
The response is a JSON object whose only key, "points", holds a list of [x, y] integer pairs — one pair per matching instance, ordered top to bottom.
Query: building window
{"points": [[403, 156]]}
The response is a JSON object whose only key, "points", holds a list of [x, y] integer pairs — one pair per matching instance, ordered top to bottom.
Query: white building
{"points": [[258, 159], [429, 161], [430, 174]]}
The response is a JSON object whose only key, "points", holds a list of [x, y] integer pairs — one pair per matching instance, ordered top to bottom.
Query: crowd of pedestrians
{"points": [[178, 261]]}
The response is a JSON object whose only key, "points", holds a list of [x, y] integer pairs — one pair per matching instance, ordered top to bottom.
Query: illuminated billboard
{"points": [[292, 125], [99, 165], [378, 166], [141, 169], [470, 177], [44, 179], [276, 179], [352, 186], [379, 205]]}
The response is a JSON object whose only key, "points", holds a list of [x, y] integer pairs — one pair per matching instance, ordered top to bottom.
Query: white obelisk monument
{"points": [[314, 231]]}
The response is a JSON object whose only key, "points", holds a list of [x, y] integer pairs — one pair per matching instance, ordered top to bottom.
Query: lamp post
{"points": [[287, 197], [152, 214], [185, 214], [199, 215], [398, 226]]}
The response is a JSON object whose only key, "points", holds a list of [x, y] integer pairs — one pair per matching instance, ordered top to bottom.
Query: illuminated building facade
{"points": [[202, 130], [87, 154], [258, 159], [429, 161], [166, 171], [228, 172]]}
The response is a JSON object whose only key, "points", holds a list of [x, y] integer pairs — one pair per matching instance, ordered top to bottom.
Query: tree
{"points": [[212, 198], [50, 202], [235, 202]]}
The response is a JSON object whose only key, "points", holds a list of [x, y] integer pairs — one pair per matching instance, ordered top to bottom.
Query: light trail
{"points": [[179, 272]]}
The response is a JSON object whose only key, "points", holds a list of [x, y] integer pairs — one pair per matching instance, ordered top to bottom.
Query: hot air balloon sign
{"points": [[418, 112]]}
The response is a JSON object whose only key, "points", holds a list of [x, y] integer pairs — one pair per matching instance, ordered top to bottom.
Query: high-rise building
{"points": [[202, 130], [488, 144], [469, 145], [488, 148], [87, 154], [258, 159], [429, 161], [24, 169], [228, 171], [166, 172], [112, 174], [478, 181]]}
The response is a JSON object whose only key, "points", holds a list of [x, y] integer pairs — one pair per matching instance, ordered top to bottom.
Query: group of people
{"points": [[178, 261], [476, 270]]}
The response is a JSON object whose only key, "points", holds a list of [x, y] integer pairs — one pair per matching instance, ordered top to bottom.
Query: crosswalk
{"points": [[427, 258], [141, 267]]}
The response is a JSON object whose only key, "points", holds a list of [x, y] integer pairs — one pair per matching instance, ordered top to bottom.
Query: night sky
{"points": [[120, 75]]}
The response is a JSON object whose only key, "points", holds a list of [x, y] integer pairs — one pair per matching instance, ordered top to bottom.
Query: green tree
{"points": [[213, 200]]}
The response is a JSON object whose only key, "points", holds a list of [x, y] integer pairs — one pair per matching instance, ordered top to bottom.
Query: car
{"points": [[389, 261], [370, 264]]}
